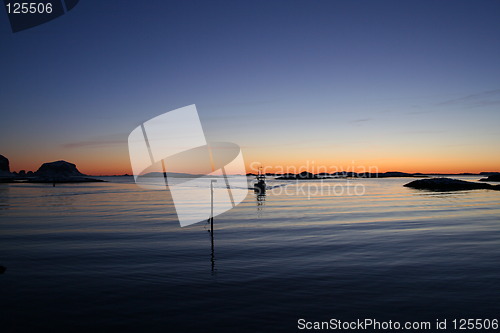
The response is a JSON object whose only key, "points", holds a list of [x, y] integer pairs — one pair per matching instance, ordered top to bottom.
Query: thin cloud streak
{"points": [[485, 98], [362, 120], [118, 139], [82, 144]]}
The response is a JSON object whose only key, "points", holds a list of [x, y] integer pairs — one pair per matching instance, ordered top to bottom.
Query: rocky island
{"points": [[60, 172], [491, 178], [448, 184]]}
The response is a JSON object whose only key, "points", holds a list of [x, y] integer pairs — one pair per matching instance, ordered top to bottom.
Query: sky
{"points": [[412, 86]]}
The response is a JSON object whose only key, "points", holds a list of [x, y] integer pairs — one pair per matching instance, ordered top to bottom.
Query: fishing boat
{"points": [[260, 186]]}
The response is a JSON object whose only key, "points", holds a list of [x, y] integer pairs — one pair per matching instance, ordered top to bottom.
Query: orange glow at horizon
{"points": [[116, 161]]}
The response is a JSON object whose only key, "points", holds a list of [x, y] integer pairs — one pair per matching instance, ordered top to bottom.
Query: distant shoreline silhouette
{"points": [[66, 172]]}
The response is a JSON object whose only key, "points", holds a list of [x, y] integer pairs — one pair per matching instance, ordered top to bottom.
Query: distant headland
{"points": [[348, 174], [308, 175]]}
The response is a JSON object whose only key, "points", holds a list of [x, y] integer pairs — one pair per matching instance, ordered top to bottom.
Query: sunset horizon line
{"points": [[472, 173]]}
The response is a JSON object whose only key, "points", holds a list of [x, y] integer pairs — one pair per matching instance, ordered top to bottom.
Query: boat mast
{"points": [[261, 176]]}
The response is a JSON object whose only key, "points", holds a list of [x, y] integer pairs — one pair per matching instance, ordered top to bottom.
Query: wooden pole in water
{"points": [[212, 211], [212, 220]]}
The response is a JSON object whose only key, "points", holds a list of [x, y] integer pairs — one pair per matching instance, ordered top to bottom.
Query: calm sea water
{"points": [[111, 257]]}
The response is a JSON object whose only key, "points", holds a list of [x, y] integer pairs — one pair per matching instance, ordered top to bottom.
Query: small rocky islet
{"points": [[491, 178], [449, 184]]}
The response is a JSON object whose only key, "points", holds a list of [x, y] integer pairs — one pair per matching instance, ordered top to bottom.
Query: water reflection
{"points": [[61, 196], [4, 197], [261, 202], [212, 255]]}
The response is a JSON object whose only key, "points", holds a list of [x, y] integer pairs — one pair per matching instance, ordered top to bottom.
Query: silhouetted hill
{"points": [[60, 172]]}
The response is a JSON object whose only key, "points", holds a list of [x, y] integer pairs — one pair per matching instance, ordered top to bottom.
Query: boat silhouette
{"points": [[260, 186]]}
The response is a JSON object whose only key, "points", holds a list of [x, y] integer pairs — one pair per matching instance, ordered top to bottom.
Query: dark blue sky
{"points": [[379, 82]]}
